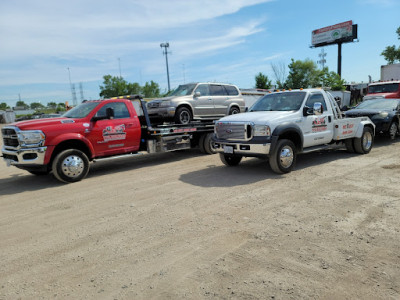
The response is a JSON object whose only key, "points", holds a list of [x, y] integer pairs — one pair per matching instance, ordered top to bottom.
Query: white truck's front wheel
{"points": [[283, 157]]}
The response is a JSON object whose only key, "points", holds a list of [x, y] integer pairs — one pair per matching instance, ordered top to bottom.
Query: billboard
{"points": [[342, 32]]}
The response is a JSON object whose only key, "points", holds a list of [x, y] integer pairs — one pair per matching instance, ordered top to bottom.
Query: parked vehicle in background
{"points": [[383, 89], [198, 101], [385, 113], [281, 125]]}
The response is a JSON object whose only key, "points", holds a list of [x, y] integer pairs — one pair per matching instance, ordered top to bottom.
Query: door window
{"points": [[203, 89], [217, 90], [231, 90], [316, 98], [120, 110]]}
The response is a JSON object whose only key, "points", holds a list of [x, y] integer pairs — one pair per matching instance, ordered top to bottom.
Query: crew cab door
{"points": [[221, 99], [203, 104], [317, 129], [116, 135]]}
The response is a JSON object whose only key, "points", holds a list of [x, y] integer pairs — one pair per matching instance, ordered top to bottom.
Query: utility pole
{"points": [[165, 52], [119, 65], [81, 89], [74, 101]]}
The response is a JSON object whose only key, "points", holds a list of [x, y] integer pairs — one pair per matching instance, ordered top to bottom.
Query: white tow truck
{"points": [[282, 124]]}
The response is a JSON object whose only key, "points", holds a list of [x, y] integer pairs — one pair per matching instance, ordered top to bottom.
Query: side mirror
{"points": [[197, 94], [345, 108], [318, 109], [307, 111], [110, 113]]}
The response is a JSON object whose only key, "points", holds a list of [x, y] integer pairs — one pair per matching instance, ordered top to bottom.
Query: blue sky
{"points": [[210, 40]]}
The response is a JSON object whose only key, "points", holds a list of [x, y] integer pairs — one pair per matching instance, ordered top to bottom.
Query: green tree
{"points": [[392, 53], [303, 74], [332, 80], [262, 81], [114, 86], [151, 90], [22, 104], [36, 105], [52, 105], [3, 106]]}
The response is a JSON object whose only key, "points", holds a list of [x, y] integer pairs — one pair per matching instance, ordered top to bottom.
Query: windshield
{"points": [[383, 88], [184, 90], [279, 102], [388, 104], [81, 111]]}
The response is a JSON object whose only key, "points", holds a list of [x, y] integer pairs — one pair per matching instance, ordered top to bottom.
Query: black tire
{"points": [[234, 110], [183, 115], [393, 130], [207, 143], [201, 144], [349, 145], [363, 145], [283, 158], [230, 160], [70, 165], [39, 173]]}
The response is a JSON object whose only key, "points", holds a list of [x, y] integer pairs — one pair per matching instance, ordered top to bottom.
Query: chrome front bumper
{"points": [[243, 149], [25, 156]]}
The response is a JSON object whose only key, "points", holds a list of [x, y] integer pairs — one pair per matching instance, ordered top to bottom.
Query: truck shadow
{"points": [[253, 169], [249, 171], [22, 181]]}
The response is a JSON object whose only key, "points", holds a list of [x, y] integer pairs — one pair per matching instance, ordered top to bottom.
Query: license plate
{"points": [[228, 149]]}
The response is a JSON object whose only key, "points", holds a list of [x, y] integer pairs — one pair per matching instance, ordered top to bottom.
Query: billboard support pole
{"points": [[339, 60]]}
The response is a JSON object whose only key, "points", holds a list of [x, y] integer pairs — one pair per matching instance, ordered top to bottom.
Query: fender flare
{"points": [[285, 128], [360, 128], [72, 136]]}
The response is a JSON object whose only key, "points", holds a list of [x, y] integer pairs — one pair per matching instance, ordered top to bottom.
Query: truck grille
{"points": [[234, 131], [10, 138]]}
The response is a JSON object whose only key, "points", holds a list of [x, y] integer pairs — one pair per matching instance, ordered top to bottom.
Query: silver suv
{"points": [[198, 101]]}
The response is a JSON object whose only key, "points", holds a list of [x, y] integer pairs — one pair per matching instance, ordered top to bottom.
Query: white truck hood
{"points": [[260, 117]]}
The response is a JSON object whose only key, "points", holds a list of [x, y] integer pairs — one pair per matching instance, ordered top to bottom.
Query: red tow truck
{"points": [[92, 131]]}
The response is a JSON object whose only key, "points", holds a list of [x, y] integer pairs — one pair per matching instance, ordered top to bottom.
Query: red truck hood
{"points": [[40, 123]]}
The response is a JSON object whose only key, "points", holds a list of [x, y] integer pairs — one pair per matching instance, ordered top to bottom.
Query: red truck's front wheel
{"points": [[70, 165]]}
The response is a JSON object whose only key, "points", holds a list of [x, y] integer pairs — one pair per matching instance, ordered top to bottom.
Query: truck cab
{"points": [[383, 89]]}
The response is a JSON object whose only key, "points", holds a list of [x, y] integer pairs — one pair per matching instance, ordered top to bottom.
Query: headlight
{"points": [[165, 104], [381, 115], [262, 130], [31, 137]]}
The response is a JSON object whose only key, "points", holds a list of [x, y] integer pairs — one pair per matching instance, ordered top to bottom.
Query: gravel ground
{"points": [[184, 226]]}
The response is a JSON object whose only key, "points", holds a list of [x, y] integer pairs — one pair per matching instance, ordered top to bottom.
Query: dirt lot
{"points": [[182, 225]]}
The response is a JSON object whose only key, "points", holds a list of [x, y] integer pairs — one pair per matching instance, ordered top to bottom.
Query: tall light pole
{"points": [[165, 52], [119, 65], [74, 101]]}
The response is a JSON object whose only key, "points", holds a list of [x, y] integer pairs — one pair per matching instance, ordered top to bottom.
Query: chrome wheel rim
{"points": [[184, 117], [393, 131], [367, 140], [286, 156], [72, 166]]}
